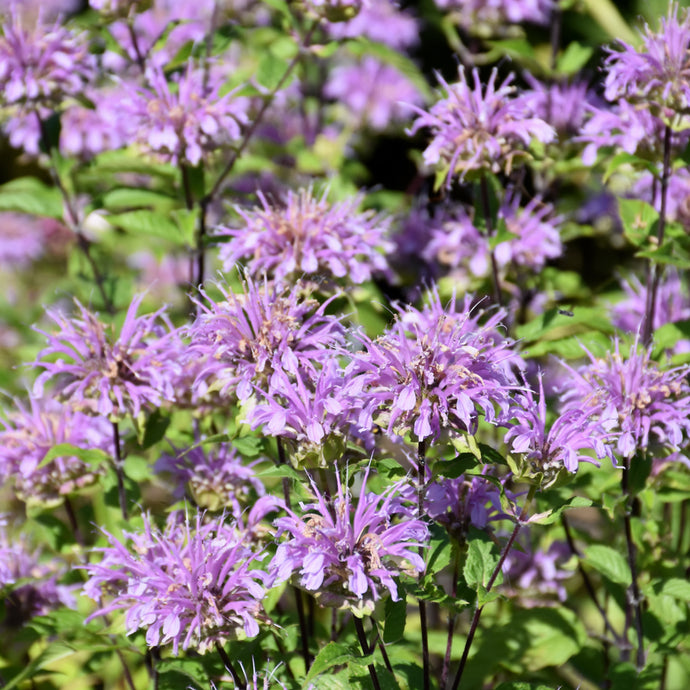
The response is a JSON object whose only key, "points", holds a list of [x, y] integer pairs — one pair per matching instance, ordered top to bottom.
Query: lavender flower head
{"points": [[482, 16], [42, 66], [658, 75], [375, 94], [185, 124], [477, 129], [308, 236], [241, 340], [437, 370], [101, 373], [641, 406], [315, 416], [29, 432], [547, 453], [216, 478], [461, 503], [347, 552], [536, 575], [190, 585], [29, 586]]}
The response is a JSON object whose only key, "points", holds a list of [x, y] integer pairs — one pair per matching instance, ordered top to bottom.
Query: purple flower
{"points": [[493, 14], [381, 21], [40, 67], [658, 74], [374, 93], [563, 105], [186, 123], [477, 129], [632, 129], [536, 234], [308, 236], [22, 240], [673, 304], [241, 340], [436, 370], [102, 373], [640, 405], [315, 415], [29, 432], [548, 452], [216, 478], [461, 503], [346, 552], [529, 573], [191, 585], [29, 586]]}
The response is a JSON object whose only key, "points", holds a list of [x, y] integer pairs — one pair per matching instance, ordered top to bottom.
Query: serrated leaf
{"points": [[609, 562], [479, 564], [395, 613], [333, 654]]}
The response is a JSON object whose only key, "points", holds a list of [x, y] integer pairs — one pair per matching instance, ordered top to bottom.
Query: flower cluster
{"points": [[40, 68], [183, 125], [477, 129], [307, 236], [240, 341], [435, 370], [101, 374], [640, 405], [30, 432], [216, 478], [347, 552], [190, 585], [29, 587]]}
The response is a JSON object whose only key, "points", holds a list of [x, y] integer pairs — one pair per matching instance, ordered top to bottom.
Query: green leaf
{"points": [[573, 58], [271, 70], [29, 195], [128, 199], [638, 218], [151, 223], [671, 253], [552, 325], [669, 335], [155, 427], [248, 446], [90, 456], [491, 456], [137, 468], [452, 469], [282, 471], [553, 515], [480, 563], [609, 563], [677, 588], [394, 620], [53, 652], [333, 654]]}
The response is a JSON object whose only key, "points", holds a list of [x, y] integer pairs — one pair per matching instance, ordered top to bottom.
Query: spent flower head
{"points": [[477, 129], [307, 236], [103, 373], [347, 551], [190, 585]]}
